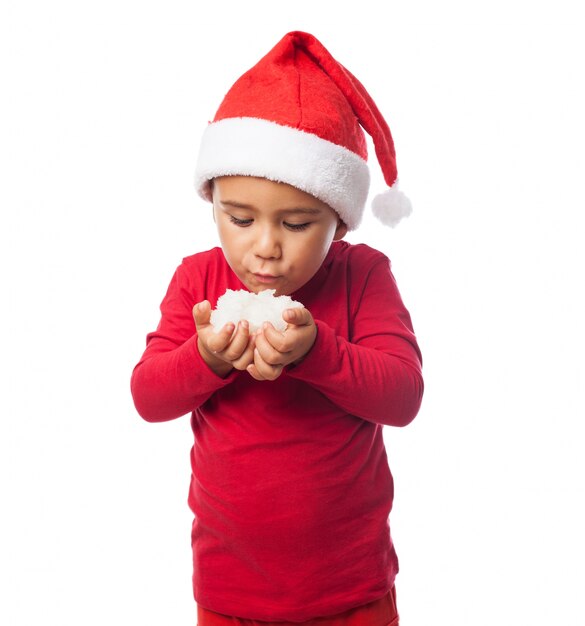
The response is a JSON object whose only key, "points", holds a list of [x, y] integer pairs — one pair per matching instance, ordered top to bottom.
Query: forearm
{"points": [[168, 383], [375, 385]]}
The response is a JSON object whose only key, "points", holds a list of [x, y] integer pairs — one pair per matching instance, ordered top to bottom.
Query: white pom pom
{"points": [[391, 206], [256, 308]]}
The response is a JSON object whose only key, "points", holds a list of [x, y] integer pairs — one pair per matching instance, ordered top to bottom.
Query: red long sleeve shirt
{"points": [[290, 486]]}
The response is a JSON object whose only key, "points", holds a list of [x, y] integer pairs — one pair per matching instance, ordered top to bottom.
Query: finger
{"points": [[202, 313], [298, 316], [279, 341], [218, 342], [238, 343], [267, 351], [247, 357], [253, 371], [267, 371]]}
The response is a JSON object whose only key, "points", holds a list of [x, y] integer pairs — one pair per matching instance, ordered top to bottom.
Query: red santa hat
{"points": [[296, 117]]}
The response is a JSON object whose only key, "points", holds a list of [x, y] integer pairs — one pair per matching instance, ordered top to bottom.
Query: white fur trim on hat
{"points": [[247, 146]]}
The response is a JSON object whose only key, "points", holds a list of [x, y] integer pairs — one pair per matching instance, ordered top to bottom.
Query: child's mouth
{"points": [[266, 278]]}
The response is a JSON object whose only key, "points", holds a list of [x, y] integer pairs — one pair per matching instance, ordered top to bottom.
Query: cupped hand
{"points": [[231, 347], [274, 350]]}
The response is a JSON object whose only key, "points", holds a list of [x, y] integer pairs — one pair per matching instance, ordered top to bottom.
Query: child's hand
{"points": [[226, 349], [274, 349]]}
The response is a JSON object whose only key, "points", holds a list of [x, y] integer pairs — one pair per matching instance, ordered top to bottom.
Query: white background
{"points": [[102, 108]]}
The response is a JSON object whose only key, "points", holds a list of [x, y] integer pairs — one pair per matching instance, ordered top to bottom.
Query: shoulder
{"points": [[358, 256], [202, 259], [198, 265], [360, 269], [192, 274], [206, 275]]}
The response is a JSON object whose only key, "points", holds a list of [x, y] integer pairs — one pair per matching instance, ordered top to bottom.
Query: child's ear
{"points": [[212, 202], [340, 231]]}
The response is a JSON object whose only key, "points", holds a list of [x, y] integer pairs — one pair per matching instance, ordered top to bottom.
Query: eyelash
{"points": [[238, 222], [245, 223], [297, 227]]}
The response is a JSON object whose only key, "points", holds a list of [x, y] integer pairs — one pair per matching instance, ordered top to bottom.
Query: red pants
{"points": [[381, 612]]}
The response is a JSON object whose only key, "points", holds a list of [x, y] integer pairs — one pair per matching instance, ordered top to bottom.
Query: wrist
{"points": [[308, 350], [216, 365]]}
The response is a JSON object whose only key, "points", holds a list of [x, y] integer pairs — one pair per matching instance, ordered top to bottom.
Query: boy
{"points": [[290, 486]]}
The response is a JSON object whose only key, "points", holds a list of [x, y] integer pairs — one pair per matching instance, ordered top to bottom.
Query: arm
{"points": [[377, 374], [172, 378]]}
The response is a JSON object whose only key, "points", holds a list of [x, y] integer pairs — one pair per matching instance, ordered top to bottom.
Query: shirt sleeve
{"points": [[376, 374], [172, 379]]}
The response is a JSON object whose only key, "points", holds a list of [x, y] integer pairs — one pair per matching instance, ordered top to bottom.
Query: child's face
{"points": [[273, 235]]}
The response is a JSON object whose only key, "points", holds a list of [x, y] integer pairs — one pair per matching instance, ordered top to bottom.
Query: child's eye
{"points": [[239, 222], [297, 226]]}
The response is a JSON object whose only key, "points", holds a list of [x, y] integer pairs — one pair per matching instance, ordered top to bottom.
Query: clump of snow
{"points": [[256, 308]]}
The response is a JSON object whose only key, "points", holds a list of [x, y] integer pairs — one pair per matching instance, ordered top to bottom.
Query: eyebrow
{"points": [[293, 210]]}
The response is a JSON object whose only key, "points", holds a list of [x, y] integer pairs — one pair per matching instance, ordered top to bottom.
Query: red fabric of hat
{"points": [[297, 117]]}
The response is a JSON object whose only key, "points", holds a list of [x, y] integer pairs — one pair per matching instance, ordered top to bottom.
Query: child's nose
{"points": [[267, 244]]}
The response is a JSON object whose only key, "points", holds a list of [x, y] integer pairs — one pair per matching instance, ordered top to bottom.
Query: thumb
{"points": [[202, 313], [299, 316]]}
